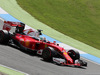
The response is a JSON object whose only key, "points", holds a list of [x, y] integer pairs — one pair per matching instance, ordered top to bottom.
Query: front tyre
{"points": [[48, 53], [74, 54]]}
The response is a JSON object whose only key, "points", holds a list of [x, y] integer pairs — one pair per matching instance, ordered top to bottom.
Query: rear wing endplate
{"points": [[9, 24]]}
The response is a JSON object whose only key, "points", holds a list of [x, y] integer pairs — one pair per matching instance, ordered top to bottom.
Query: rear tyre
{"points": [[4, 37], [48, 54], [74, 54]]}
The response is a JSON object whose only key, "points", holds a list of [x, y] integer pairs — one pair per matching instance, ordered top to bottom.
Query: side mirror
{"points": [[39, 30]]}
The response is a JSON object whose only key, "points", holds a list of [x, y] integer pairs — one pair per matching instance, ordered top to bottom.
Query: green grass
{"points": [[78, 19], [9, 71]]}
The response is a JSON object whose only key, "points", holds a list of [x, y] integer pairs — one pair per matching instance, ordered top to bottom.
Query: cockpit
{"points": [[35, 34]]}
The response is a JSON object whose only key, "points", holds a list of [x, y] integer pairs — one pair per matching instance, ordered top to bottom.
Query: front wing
{"points": [[77, 63]]}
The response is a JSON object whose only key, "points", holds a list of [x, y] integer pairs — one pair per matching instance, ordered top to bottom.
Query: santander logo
{"points": [[6, 27]]}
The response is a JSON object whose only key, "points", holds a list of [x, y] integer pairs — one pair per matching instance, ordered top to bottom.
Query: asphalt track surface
{"points": [[34, 65]]}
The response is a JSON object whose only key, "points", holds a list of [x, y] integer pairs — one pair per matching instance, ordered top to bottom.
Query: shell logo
{"points": [[27, 43], [65, 53]]}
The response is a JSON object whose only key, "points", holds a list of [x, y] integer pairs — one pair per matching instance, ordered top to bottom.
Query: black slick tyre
{"points": [[4, 37], [48, 53], [74, 54]]}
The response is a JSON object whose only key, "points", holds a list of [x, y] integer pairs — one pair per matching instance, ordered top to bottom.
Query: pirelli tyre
{"points": [[4, 37], [48, 54], [74, 54]]}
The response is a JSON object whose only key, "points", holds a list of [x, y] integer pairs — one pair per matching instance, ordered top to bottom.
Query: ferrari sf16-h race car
{"points": [[29, 39]]}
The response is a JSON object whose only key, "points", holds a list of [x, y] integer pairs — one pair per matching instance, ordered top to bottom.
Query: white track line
{"points": [[2, 11], [14, 69]]}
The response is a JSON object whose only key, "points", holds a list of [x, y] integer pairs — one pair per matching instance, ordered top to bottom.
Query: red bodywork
{"points": [[31, 43]]}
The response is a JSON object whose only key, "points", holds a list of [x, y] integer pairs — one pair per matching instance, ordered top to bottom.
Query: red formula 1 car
{"points": [[30, 39]]}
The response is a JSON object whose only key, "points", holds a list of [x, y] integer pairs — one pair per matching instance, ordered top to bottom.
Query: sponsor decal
{"points": [[6, 27], [22, 41], [27, 43], [39, 52], [65, 53], [58, 60]]}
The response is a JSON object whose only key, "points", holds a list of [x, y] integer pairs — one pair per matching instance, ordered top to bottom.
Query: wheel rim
{"points": [[46, 54], [72, 54]]}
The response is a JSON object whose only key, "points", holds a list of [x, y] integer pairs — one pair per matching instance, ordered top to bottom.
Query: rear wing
{"points": [[9, 24]]}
